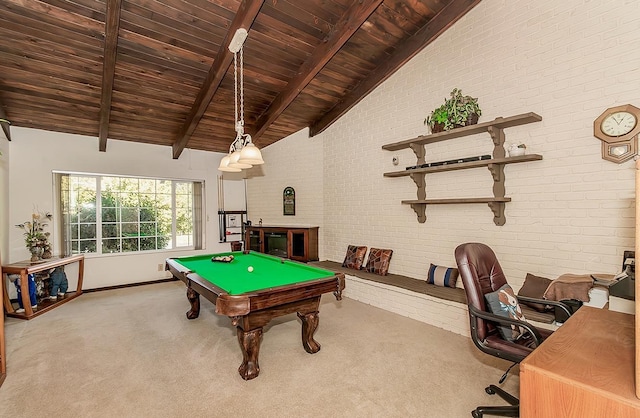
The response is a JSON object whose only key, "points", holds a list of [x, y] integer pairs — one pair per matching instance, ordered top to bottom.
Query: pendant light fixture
{"points": [[242, 152]]}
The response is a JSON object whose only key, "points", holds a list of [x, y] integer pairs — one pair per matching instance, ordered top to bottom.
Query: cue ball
{"points": [[249, 269]]}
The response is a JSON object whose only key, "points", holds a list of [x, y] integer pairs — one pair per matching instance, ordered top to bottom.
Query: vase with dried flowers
{"points": [[35, 238]]}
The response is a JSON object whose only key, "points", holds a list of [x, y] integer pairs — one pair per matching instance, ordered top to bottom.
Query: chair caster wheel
{"points": [[489, 390], [476, 414]]}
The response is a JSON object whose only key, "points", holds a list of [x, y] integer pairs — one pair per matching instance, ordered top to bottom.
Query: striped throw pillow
{"points": [[442, 276]]}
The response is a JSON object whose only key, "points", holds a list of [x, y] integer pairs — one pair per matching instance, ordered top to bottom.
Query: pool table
{"points": [[273, 288]]}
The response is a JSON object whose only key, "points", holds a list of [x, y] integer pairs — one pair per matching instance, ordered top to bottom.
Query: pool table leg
{"points": [[194, 299], [309, 325], [250, 345]]}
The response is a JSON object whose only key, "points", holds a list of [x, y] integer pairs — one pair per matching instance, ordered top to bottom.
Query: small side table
{"points": [[24, 268]]}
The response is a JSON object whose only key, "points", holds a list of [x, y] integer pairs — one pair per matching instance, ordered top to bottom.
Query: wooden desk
{"points": [[24, 268], [585, 369]]}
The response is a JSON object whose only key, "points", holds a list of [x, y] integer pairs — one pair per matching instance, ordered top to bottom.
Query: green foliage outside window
{"points": [[136, 214]]}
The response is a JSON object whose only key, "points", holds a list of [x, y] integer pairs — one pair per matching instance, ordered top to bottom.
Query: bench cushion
{"points": [[421, 286]]}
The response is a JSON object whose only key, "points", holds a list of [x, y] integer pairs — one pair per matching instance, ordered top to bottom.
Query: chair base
{"points": [[512, 410]]}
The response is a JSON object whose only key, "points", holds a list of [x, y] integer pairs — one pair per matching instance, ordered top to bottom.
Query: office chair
{"points": [[481, 274]]}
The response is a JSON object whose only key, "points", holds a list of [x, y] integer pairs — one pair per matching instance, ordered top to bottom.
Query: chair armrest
{"points": [[560, 305], [503, 320]]}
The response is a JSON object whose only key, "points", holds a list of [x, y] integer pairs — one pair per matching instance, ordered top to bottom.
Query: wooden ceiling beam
{"points": [[247, 13], [112, 24], [348, 24], [410, 48], [5, 123]]}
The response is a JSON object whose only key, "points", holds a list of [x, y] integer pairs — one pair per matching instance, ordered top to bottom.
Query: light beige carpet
{"points": [[133, 353]]}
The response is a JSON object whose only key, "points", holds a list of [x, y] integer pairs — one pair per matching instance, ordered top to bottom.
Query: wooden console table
{"points": [[24, 268], [585, 369]]}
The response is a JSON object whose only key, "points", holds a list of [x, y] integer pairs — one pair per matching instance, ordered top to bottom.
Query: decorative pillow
{"points": [[354, 257], [378, 261], [442, 276], [534, 287], [504, 302]]}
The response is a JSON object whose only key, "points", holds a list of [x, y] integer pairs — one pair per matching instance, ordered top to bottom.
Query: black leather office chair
{"points": [[481, 274]]}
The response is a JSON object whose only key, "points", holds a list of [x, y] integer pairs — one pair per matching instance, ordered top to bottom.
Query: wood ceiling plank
{"points": [[43, 12], [279, 12], [244, 18], [348, 24], [156, 26], [42, 30], [285, 37], [135, 42], [18, 43], [412, 46], [43, 56], [155, 65], [109, 67], [57, 73], [142, 76], [53, 94], [50, 114]]}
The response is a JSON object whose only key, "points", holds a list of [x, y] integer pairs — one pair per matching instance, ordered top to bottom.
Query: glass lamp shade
{"points": [[250, 154], [233, 161], [224, 165]]}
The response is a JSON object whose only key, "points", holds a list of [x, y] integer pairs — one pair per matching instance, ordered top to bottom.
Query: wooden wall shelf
{"points": [[497, 123], [467, 165], [495, 165]]}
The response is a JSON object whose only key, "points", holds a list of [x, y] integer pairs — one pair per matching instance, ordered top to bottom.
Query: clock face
{"points": [[618, 123]]}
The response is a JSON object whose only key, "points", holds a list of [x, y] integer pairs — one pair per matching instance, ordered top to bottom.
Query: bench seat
{"points": [[421, 286]]}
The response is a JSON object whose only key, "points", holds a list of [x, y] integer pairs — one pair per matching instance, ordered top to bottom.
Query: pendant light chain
{"points": [[242, 87], [235, 89]]}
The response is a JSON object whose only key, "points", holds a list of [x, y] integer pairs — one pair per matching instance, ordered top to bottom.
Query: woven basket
{"points": [[439, 127]]}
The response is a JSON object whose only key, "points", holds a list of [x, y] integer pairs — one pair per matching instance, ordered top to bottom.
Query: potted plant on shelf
{"points": [[457, 111]]}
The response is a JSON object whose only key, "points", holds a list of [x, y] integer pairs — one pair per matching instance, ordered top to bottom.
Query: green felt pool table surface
{"points": [[235, 278]]}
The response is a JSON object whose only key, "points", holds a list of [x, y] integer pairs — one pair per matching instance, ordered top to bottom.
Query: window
{"points": [[108, 214]]}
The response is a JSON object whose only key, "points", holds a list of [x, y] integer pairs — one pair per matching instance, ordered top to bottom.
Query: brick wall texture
{"points": [[571, 212]]}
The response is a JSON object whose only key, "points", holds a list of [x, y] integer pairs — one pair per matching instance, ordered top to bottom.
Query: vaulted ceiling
{"points": [[160, 71]]}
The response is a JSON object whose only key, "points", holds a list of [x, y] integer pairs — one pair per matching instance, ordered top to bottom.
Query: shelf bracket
{"points": [[498, 138], [420, 152], [497, 172], [420, 180], [421, 193], [420, 209], [498, 213]]}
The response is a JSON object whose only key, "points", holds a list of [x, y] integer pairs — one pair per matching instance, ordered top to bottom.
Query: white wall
{"points": [[36, 154], [295, 161], [572, 212]]}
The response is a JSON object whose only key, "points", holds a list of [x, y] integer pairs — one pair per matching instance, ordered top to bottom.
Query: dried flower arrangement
{"points": [[35, 238]]}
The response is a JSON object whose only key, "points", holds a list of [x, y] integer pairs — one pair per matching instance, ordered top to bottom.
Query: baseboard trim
{"points": [[122, 286]]}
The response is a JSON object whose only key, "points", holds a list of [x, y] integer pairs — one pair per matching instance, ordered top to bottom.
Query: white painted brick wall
{"points": [[297, 162], [572, 212]]}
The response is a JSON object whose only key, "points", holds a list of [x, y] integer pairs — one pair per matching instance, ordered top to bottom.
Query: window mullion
{"points": [[99, 215], [174, 215]]}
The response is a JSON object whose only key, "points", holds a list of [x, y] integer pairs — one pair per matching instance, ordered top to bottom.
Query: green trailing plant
{"points": [[457, 110]]}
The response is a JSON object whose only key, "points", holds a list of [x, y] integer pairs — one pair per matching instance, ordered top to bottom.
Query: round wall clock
{"points": [[617, 124]]}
